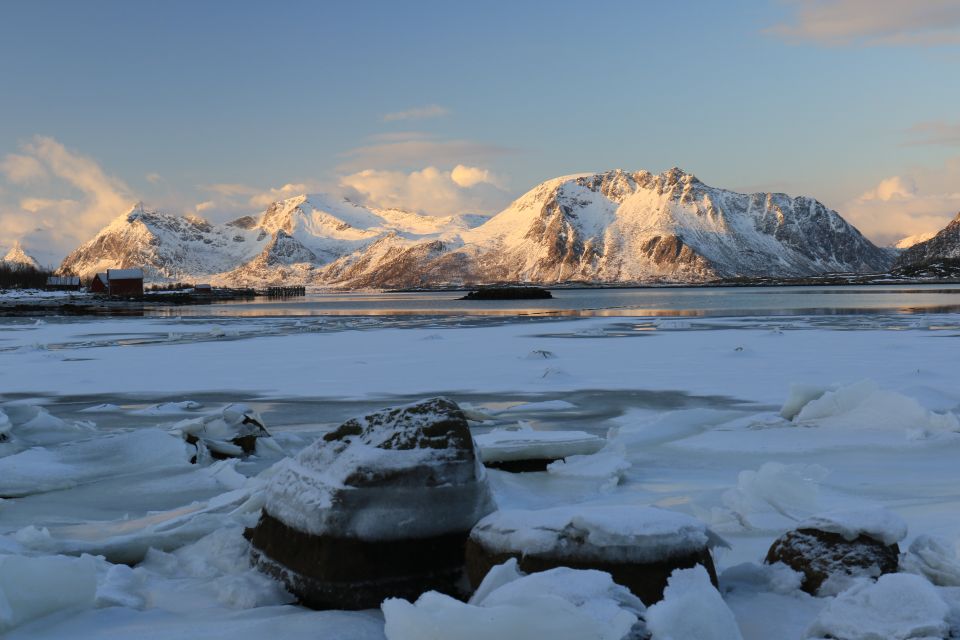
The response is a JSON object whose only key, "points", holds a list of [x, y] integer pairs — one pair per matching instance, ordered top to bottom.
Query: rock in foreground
{"points": [[381, 507], [841, 545], [639, 546]]}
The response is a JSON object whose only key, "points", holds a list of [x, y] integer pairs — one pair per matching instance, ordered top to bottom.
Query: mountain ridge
{"points": [[612, 227]]}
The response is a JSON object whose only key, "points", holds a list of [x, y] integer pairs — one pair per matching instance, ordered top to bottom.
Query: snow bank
{"points": [[800, 395], [863, 405], [523, 443], [39, 470], [873, 522], [605, 533], [935, 559], [35, 587], [560, 604], [897, 606], [691, 610]]}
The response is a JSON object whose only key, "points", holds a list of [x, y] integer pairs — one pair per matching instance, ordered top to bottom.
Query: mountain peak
{"points": [[18, 257]]}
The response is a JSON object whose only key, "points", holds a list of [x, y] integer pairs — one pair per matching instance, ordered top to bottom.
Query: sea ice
{"points": [[523, 443], [934, 558], [31, 587], [560, 604], [898, 606], [692, 609]]}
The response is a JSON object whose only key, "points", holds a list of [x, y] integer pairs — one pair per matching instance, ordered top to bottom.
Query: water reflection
{"points": [[648, 302]]}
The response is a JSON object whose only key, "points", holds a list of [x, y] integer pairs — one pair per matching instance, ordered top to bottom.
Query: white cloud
{"points": [[871, 22], [417, 113], [20, 169], [467, 177], [154, 178], [430, 190], [921, 201], [200, 207], [58, 224]]}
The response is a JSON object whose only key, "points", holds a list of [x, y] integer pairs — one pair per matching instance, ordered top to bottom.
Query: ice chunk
{"points": [[800, 395], [864, 405], [102, 408], [168, 408], [33, 425], [232, 433], [504, 445], [608, 465], [39, 470], [790, 490], [873, 522], [606, 533], [935, 558], [770, 578], [31, 587], [123, 587], [560, 604], [897, 607], [691, 609]]}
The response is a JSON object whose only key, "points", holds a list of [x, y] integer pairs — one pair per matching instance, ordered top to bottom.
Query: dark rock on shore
{"points": [[508, 293], [380, 507]]}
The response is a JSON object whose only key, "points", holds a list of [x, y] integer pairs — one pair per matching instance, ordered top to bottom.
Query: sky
{"points": [[218, 108]]}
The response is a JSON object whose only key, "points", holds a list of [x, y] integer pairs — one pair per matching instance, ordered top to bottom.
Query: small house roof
{"points": [[125, 274], [63, 280]]}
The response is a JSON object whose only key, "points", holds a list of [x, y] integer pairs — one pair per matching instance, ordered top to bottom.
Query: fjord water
{"points": [[625, 302]]}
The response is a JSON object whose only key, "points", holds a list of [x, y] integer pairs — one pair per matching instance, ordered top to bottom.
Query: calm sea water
{"points": [[646, 302]]}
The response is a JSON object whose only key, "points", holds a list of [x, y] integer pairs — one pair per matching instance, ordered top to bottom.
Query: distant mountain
{"points": [[613, 227], [909, 241], [945, 245], [19, 258]]}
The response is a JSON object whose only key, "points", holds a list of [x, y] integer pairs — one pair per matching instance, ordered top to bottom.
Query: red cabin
{"points": [[125, 282], [99, 284]]}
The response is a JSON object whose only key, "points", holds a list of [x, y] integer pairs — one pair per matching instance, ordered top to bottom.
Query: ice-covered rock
{"points": [[233, 433], [523, 449], [380, 507], [838, 545], [639, 546], [934, 558], [31, 587], [560, 604], [898, 606], [691, 609]]}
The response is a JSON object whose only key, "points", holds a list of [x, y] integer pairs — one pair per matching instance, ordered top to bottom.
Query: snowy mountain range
{"points": [[612, 227], [19, 258]]}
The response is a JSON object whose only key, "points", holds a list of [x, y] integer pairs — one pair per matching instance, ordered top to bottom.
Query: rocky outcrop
{"points": [[943, 247], [233, 433], [380, 507], [639, 546]]}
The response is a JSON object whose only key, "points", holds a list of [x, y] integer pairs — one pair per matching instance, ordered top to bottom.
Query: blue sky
{"points": [[219, 107]]}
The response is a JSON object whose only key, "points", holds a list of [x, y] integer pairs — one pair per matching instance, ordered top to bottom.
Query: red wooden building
{"points": [[125, 282], [99, 284]]}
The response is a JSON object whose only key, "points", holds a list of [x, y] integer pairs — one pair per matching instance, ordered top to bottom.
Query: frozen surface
{"points": [[692, 408], [33, 587], [561, 604], [897, 606], [691, 609]]}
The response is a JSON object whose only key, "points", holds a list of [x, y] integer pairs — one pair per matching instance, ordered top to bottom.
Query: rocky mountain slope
{"points": [[613, 227], [945, 245], [18, 258]]}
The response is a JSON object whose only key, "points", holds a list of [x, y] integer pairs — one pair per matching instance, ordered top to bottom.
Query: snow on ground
{"points": [[750, 429]]}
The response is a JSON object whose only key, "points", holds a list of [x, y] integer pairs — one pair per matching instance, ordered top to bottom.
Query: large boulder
{"points": [[380, 507], [841, 545], [639, 546]]}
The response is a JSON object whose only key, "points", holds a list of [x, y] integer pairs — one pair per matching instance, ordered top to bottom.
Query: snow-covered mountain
{"points": [[613, 227], [909, 241], [945, 245], [19, 258]]}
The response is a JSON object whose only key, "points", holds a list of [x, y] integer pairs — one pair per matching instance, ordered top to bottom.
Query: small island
{"points": [[508, 293]]}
